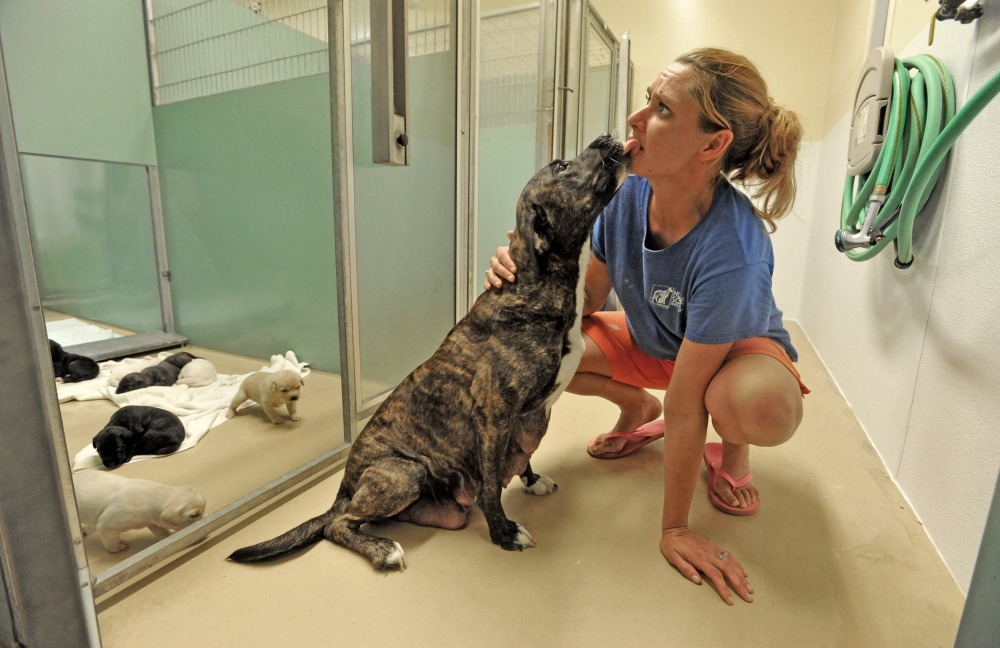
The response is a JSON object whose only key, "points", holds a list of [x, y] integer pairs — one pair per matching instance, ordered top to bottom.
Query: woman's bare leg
{"points": [[593, 378], [753, 400]]}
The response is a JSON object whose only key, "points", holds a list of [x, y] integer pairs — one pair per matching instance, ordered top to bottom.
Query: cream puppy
{"points": [[197, 373], [271, 390], [111, 504]]}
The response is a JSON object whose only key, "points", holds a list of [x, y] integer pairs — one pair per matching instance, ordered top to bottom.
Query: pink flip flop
{"points": [[636, 439], [713, 459]]}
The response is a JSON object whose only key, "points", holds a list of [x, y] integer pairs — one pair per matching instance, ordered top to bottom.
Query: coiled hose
{"points": [[923, 126]]}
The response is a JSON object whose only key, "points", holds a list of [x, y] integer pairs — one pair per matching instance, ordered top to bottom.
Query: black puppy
{"points": [[70, 367], [164, 373], [138, 430]]}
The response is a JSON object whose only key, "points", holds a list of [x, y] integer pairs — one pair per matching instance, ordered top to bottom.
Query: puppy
{"points": [[71, 367], [197, 373], [161, 374], [115, 377], [271, 390], [465, 422], [138, 430], [111, 504]]}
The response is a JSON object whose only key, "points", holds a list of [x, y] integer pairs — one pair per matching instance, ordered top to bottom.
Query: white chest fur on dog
{"points": [[571, 361], [111, 504]]}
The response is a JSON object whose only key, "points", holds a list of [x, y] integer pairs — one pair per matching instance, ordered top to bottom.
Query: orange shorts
{"points": [[632, 366]]}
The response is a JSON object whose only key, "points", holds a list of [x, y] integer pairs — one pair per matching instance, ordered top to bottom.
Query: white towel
{"points": [[68, 332], [199, 408]]}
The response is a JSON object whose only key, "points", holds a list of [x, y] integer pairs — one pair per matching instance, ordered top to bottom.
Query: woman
{"points": [[691, 262]]}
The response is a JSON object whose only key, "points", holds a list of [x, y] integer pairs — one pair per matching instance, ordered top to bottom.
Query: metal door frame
{"points": [[45, 572]]}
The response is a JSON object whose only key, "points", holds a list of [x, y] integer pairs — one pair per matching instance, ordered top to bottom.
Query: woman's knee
{"points": [[755, 405]]}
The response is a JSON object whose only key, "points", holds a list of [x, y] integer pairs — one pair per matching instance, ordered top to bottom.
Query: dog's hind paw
{"points": [[542, 486], [396, 559]]}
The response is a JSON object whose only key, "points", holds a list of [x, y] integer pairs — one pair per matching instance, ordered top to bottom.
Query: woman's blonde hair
{"points": [[731, 94]]}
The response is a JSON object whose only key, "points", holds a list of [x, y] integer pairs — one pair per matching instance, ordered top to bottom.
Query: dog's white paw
{"points": [[230, 413], [296, 418], [543, 486], [523, 539], [122, 546], [396, 558]]}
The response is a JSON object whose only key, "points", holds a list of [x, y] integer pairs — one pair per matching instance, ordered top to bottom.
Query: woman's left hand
{"points": [[691, 554]]}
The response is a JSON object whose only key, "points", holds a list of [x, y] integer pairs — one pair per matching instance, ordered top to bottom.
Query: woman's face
{"points": [[671, 144]]}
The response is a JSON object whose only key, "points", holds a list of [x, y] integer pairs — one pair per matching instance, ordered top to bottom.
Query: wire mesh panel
{"points": [[428, 23], [204, 47], [508, 67]]}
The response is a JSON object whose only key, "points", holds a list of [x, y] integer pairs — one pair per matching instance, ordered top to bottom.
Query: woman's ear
{"points": [[717, 144]]}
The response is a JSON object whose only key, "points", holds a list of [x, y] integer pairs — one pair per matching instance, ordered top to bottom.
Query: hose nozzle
{"points": [[846, 239]]}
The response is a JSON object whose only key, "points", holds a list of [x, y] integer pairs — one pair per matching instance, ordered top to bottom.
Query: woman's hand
{"points": [[501, 266], [690, 553]]}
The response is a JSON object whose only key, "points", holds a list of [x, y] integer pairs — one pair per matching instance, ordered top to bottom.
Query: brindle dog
{"points": [[465, 422]]}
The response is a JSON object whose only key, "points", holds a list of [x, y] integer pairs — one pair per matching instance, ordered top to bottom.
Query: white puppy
{"points": [[197, 373], [270, 390], [111, 504]]}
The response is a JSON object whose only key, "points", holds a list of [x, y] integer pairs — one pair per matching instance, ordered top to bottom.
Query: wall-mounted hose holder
{"points": [[881, 201]]}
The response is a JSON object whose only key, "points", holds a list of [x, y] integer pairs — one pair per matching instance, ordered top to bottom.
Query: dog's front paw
{"points": [[230, 413], [296, 418], [278, 421], [542, 486], [517, 538]]}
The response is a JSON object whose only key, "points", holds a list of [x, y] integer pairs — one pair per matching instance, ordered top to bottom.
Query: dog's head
{"points": [[559, 205], [131, 382], [286, 385], [113, 444], [184, 507]]}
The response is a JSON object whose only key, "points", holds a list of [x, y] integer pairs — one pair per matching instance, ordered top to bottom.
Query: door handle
{"points": [[390, 67]]}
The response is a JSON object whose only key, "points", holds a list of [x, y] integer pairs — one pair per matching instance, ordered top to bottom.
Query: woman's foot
{"points": [[647, 408], [736, 463]]}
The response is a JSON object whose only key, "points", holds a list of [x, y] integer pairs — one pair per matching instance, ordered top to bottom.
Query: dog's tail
{"points": [[301, 537]]}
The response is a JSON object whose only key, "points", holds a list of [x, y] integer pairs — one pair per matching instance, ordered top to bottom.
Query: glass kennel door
{"points": [[547, 87], [405, 216]]}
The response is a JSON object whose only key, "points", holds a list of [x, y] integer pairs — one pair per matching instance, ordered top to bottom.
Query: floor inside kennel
{"points": [[232, 459], [835, 555]]}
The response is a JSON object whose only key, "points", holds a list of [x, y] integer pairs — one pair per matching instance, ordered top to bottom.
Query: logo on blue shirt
{"points": [[665, 297]]}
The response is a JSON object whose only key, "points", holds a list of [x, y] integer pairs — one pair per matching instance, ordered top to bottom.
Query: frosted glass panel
{"points": [[405, 216], [92, 237]]}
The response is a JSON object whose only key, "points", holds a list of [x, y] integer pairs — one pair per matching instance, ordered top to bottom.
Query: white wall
{"points": [[916, 351]]}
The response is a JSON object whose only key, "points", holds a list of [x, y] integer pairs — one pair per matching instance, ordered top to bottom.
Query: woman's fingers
{"points": [[502, 264]]}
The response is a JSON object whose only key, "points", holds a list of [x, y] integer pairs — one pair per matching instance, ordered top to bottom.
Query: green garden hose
{"points": [[923, 126]]}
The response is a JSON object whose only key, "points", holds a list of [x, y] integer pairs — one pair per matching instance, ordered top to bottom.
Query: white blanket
{"points": [[68, 332], [199, 408]]}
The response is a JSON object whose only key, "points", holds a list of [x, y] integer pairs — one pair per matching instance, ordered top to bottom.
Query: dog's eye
{"points": [[561, 167]]}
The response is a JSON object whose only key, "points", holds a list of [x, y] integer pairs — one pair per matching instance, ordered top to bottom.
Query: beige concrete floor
{"points": [[836, 558]]}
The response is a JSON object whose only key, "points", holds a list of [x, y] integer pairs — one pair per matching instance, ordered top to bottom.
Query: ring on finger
{"points": [[724, 554]]}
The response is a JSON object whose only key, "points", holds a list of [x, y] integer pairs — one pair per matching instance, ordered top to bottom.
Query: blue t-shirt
{"points": [[713, 286]]}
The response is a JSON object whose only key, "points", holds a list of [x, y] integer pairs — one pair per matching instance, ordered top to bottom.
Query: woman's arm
{"points": [[596, 287], [687, 423]]}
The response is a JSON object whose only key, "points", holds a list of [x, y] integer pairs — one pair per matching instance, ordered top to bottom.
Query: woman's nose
{"points": [[637, 119]]}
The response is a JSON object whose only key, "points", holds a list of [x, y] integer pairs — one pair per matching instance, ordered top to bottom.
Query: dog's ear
{"points": [[541, 229]]}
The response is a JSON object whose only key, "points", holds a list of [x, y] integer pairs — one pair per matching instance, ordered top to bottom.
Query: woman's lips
{"points": [[632, 147]]}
